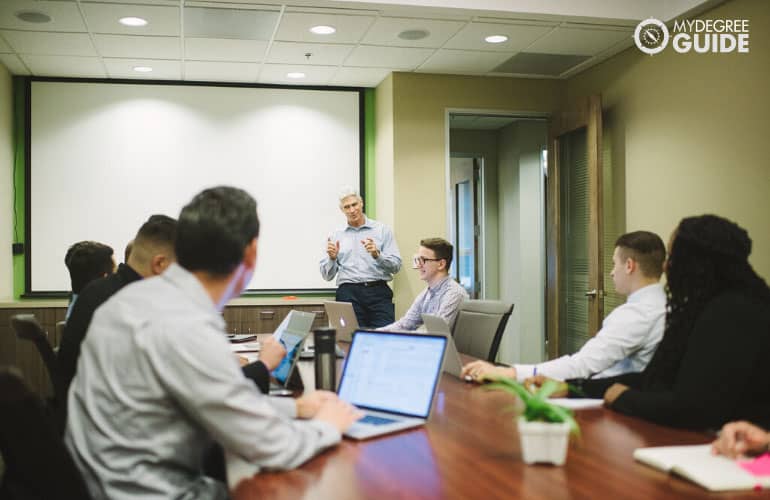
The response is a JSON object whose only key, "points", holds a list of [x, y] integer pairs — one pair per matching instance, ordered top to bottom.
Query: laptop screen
{"points": [[292, 343], [392, 372]]}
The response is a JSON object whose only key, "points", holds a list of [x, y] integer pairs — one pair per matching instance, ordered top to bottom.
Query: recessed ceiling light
{"points": [[33, 16], [132, 21], [323, 30], [413, 34], [496, 39], [142, 69], [295, 75]]}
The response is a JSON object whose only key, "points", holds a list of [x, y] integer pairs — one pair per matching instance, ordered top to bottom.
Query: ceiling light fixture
{"points": [[33, 16], [132, 21], [323, 30], [413, 34], [496, 39], [142, 69], [295, 75]]}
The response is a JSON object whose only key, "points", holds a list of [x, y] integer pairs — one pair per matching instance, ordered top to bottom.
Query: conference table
{"points": [[469, 449]]}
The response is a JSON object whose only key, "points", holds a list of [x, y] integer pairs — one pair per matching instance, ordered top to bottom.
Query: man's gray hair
{"points": [[348, 191]]}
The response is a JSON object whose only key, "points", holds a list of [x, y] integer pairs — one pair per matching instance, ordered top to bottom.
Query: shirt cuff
{"points": [[523, 372], [285, 406]]}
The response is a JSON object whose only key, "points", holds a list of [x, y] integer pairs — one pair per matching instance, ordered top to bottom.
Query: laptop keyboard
{"points": [[371, 419]]}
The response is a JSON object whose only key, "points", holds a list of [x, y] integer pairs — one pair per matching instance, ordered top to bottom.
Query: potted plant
{"points": [[544, 428]]}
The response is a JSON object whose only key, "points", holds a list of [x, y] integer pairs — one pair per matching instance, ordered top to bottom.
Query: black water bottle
{"points": [[325, 359]]}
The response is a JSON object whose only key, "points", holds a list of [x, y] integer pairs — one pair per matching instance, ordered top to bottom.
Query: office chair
{"points": [[479, 327], [27, 328], [59, 334], [37, 464]]}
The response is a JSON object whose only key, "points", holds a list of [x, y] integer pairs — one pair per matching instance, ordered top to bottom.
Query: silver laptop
{"points": [[342, 318], [436, 325], [291, 333], [392, 378]]}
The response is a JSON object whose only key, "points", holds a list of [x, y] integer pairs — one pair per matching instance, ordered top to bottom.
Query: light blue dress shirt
{"points": [[353, 263], [442, 299]]}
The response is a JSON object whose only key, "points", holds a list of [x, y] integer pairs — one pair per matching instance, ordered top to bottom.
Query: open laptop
{"points": [[342, 318], [438, 326], [291, 333], [392, 378]]}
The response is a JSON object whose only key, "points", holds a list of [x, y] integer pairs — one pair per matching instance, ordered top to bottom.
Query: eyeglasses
{"points": [[419, 260]]}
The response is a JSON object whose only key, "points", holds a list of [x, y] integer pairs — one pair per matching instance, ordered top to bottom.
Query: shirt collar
{"points": [[367, 224], [188, 284], [438, 286], [645, 290]]}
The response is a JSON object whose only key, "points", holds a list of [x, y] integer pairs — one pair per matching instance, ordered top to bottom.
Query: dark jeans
{"points": [[372, 304]]}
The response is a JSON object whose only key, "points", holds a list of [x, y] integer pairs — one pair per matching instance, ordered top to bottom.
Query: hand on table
{"points": [[479, 371], [536, 382], [613, 393], [740, 438]]}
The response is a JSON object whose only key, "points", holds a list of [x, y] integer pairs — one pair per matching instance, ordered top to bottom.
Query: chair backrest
{"points": [[27, 327], [479, 327], [59, 334], [37, 464]]}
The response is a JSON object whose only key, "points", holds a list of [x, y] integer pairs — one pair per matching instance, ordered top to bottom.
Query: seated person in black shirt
{"points": [[151, 253], [87, 261], [710, 367]]}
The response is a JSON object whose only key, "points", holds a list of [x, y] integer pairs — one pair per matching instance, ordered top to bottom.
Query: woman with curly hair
{"points": [[711, 365]]}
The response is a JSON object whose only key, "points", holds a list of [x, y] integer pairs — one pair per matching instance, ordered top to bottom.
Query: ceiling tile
{"points": [[65, 16], [103, 18], [240, 24], [295, 27], [385, 31], [471, 37], [578, 41], [65, 44], [4, 47], [138, 47], [219, 49], [320, 54], [370, 56], [462, 61], [14, 64], [64, 66], [161, 69], [220, 71], [314, 75], [359, 77]]}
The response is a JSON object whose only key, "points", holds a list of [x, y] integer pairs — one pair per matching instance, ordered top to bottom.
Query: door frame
{"points": [[586, 112]]}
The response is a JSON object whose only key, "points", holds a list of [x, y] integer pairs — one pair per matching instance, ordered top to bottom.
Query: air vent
{"points": [[33, 16], [239, 24], [413, 34], [529, 63]]}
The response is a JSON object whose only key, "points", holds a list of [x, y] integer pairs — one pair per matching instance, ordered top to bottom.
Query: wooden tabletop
{"points": [[470, 449]]}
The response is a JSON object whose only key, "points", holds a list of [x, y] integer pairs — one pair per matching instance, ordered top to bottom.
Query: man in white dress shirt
{"points": [[630, 333], [157, 383]]}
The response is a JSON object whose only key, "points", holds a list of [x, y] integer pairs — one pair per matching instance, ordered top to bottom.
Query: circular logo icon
{"points": [[651, 36]]}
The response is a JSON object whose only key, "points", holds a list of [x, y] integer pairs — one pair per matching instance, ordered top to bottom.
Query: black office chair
{"points": [[479, 327], [28, 328], [37, 464]]}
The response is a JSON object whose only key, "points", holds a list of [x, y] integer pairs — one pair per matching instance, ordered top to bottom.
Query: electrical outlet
{"points": [[17, 248]]}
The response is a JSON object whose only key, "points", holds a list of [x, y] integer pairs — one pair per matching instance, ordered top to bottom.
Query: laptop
{"points": [[342, 318], [438, 326], [291, 333], [392, 378]]}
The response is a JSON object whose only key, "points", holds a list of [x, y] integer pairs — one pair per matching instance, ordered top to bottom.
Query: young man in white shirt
{"points": [[443, 295], [630, 333]]}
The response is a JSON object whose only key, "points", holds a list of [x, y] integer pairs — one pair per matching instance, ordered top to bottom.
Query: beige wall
{"points": [[420, 103], [693, 131], [6, 184]]}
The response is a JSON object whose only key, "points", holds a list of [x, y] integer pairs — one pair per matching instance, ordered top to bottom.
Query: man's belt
{"points": [[367, 283]]}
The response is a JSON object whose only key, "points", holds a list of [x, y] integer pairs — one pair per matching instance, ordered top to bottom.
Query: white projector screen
{"points": [[106, 156]]}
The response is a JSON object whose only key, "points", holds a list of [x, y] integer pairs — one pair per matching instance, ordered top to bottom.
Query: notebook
{"points": [[342, 318], [437, 326], [392, 378], [696, 463]]}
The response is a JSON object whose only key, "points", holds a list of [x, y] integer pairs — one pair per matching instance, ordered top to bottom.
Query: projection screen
{"points": [[103, 157]]}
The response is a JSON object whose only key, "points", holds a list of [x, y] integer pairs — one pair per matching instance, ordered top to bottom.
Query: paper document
{"points": [[577, 403]]}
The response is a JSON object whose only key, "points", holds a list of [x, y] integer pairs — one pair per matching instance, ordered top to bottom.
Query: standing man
{"points": [[364, 257], [443, 295], [630, 334]]}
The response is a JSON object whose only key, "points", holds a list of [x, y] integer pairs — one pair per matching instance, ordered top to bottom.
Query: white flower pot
{"points": [[543, 441]]}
